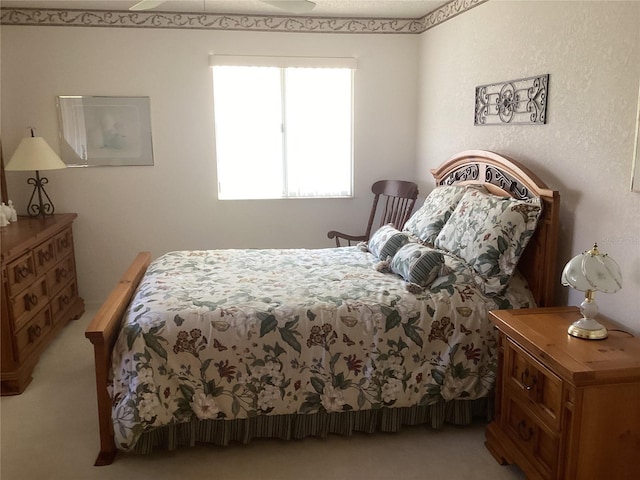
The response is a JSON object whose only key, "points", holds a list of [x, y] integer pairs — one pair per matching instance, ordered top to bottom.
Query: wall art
{"points": [[516, 102], [104, 131]]}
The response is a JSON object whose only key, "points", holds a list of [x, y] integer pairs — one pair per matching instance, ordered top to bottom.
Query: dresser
{"points": [[39, 293], [566, 408]]}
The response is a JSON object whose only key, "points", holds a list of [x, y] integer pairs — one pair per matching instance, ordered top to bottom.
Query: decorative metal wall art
{"points": [[522, 101]]}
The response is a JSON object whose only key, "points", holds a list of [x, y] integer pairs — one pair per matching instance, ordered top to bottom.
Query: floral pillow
{"points": [[427, 222], [490, 234], [386, 241], [417, 264]]}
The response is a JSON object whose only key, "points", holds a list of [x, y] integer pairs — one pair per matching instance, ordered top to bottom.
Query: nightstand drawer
{"points": [[532, 381], [534, 439]]}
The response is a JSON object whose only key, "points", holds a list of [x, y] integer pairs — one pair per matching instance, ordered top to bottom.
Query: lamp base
{"points": [[44, 207], [588, 329]]}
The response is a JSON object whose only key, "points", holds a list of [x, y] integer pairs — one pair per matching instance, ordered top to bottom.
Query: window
{"points": [[282, 131]]}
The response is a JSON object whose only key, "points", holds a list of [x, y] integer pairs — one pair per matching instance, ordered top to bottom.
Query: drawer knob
{"points": [[45, 256], [22, 271], [61, 273], [30, 300], [64, 300], [34, 332], [524, 378], [524, 432]]}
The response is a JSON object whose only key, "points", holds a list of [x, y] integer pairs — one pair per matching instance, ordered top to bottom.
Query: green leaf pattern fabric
{"points": [[429, 219], [490, 233], [386, 241], [417, 264], [226, 334]]}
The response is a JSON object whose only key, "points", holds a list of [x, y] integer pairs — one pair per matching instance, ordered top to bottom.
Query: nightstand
{"points": [[566, 408]]}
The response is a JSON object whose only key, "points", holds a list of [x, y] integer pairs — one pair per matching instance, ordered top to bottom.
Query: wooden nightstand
{"points": [[566, 408]]}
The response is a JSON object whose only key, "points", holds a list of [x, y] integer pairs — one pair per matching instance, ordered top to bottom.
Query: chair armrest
{"points": [[344, 236]]}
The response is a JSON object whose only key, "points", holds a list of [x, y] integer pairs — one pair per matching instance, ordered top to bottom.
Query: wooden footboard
{"points": [[102, 332]]}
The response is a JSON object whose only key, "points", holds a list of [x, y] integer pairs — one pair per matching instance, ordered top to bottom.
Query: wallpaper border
{"points": [[258, 23]]}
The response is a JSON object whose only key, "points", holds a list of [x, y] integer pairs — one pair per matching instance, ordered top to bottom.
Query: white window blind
{"points": [[284, 127]]}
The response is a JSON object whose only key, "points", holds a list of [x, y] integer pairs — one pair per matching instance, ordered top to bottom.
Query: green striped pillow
{"points": [[386, 241], [417, 264]]}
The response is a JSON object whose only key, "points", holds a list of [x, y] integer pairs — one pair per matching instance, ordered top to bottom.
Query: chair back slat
{"points": [[398, 199]]}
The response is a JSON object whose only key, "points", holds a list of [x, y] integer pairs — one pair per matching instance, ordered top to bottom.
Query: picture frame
{"points": [[104, 131]]}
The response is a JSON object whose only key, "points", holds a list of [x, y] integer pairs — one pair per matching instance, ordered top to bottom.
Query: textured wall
{"points": [[591, 51]]}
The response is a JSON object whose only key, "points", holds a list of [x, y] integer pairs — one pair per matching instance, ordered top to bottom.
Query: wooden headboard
{"points": [[504, 176]]}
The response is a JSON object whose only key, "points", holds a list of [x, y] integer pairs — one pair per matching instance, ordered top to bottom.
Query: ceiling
{"points": [[323, 8]]}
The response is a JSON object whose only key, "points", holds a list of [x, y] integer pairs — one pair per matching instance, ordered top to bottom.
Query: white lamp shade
{"points": [[34, 153], [592, 271]]}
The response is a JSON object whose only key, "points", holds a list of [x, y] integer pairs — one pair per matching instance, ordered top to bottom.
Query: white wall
{"points": [[591, 51], [173, 205]]}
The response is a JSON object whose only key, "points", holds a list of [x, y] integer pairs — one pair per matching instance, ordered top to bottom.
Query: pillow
{"points": [[427, 222], [490, 233], [386, 241], [417, 264]]}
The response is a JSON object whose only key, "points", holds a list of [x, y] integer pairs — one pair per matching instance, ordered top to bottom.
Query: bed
{"points": [[224, 346]]}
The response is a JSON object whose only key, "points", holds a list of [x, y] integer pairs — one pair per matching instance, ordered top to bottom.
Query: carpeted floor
{"points": [[50, 433]]}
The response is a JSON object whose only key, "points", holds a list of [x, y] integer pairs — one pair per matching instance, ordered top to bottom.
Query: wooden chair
{"points": [[397, 197]]}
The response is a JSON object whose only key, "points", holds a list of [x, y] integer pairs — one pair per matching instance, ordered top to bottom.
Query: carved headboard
{"points": [[504, 176]]}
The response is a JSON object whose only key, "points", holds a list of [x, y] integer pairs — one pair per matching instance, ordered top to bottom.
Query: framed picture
{"points": [[104, 131]]}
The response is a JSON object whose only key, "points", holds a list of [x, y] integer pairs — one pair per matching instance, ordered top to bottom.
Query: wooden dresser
{"points": [[39, 293], [566, 408]]}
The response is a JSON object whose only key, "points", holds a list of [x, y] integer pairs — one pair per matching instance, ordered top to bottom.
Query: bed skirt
{"points": [[287, 427]]}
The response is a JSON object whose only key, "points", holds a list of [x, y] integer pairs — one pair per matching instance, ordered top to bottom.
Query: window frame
{"points": [[282, 63]]}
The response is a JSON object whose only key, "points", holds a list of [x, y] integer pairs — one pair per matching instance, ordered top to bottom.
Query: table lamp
{"points": [[34, 153], [591, 272]]}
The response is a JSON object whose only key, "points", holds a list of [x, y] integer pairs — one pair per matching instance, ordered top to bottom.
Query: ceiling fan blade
{"points": [[147, 5], [292, 6]]}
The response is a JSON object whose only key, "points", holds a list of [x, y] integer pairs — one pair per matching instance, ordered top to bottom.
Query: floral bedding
{"points": [[230, 334]]}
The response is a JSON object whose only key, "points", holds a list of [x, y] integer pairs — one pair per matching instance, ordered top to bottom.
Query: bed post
{"points": [[102, 332]]}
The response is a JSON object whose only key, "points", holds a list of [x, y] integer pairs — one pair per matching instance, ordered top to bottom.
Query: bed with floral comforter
{"points": [[239, 334]]}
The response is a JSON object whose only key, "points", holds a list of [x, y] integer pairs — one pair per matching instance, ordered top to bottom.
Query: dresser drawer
{"points": [[64, 242], [45, 256], [21, 273], [60, 274], [63, 300], [26, 303], [33, 333], [537, 386], [534, 439]]}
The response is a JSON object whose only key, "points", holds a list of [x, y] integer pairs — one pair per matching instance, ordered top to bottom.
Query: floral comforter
{"points": [[228, 334]]}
